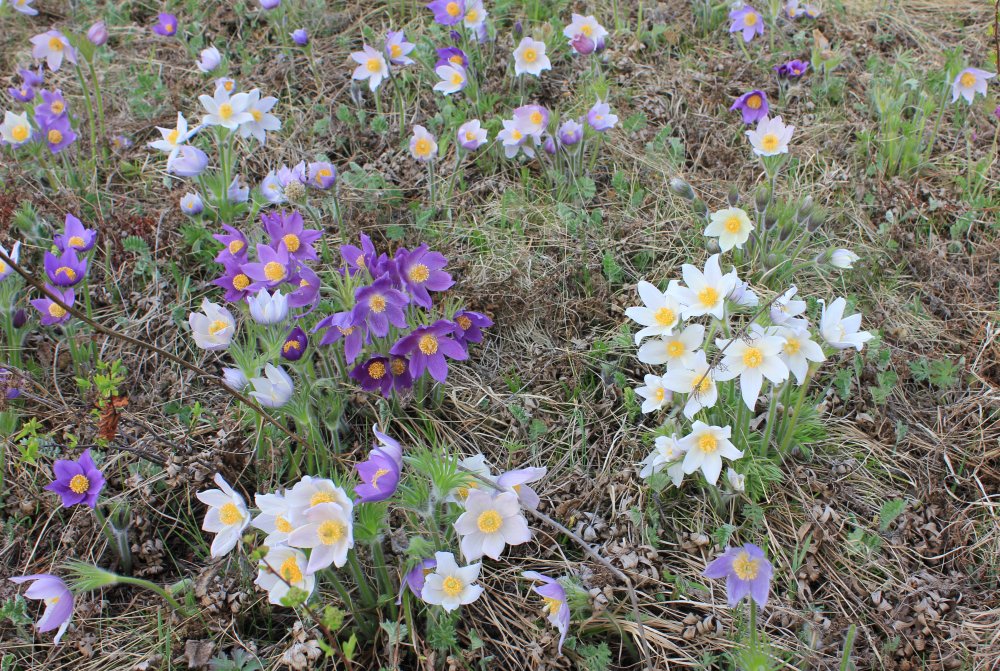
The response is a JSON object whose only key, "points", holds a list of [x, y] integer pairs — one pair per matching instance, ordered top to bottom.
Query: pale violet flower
{"points": [[475, 15], [588, 27], [52, 47], [530, 58], [210, 59], [453, 78], [969, 82], [15, 129], [471, 135], [771, 137], [514, 139], [423, 145], [236, 193], [191, 204], [732, 226], [268, 308], [785, 309], [660, 312], [213, 328], [842, 332], [676, 350], [753, 357], [235, 379], [275, 389], [705, 447], [478, 466], [517, 481], [737, 481], [309, 492], [227, 516], [275, 518], [451, 586]]}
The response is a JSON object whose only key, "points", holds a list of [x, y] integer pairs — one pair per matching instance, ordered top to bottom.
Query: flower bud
{"points": [[518, 29], [98, 34], [300, 37], [681, 188], [733, 197], [762, 198], [700, 207], [805, 208], [770, 221], [814, 221], [713, 246], [843, 258], [19, 318]]}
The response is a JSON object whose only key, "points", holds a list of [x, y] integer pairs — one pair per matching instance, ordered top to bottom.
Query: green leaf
{"points": [[890, 511]]}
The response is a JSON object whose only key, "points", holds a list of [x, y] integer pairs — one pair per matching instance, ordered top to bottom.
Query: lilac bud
{"points": [[269, 4], [518, 29], [98, 34], [456, 36], [300, 37], [583, 44], [996, 112], [549, 146], [682, 188], [733, 197], [20, 318], [295, 344]]}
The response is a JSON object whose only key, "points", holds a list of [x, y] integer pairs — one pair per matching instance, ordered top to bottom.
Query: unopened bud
{"points": [[681, 188], [733, 197], [762, 198], [700, 207], [805, 208], [815, 220], [770, 221], [784, 233], [713, 246], [20, 318]]}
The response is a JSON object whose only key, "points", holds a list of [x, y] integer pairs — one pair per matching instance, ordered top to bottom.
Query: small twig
{"points": [[215, 379]]}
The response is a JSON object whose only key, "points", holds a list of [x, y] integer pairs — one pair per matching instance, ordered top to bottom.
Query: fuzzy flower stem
{"points": [[97, 95], [90, 115], [793, 420], [117, 538]]}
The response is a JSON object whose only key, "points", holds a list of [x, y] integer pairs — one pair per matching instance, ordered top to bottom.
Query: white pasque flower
{"points": [[475, 14], [586, 26], [530, 58], [210, 59], [371, 66], [453, 78], [969, 82], [223, 110], [261, 120], [15, 129], [771, 137], [514, 139], [732, 226], [843, 259], [706, 292], [742, 294], [268, 308], [783, 308], [660, 312], [213, 328], [842, 332], [676, 350], [798, 350], [753, 357], [235, 379], [697, 381], [275, 389], [655, 393], [704, 449], [667, 454], [478, 465], [737, 481], [310, 491], [227, 516], [275, 518], [491, 522], [329, 531], [287, 570], [450, 585]]}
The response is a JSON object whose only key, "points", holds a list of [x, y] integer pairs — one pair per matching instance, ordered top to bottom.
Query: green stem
{"points": [[97, 96], [90, 116], [793, 420], [139, 582]]}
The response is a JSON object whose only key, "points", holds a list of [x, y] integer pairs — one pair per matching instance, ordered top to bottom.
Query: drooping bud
{"points": [[98, 34], [682, 188], [733, 197], [762, 198], [700, 207], [805, 208], [770, 220], [713, 246], [20, 318]]}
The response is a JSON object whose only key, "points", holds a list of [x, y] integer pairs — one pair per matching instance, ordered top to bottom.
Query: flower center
{"points": [[453, 9], [472, 15], [750, 19], [169, 28], [586, 30], [55, 44], [395, 51], [530, 55], [456, 59], [373, 65], [457, 79], [967, 80], [228, 86], [754, 102], [57, 106], [225, 111], [256, 114], [536, 117], [19, 133], [516, 135], [54, 136], [172, 136], [469, 136], [770, 142], [422, 147], [322, 174], [733, 224], [76, 241], [292, 242], [235, 247], [274, 271], [68, 272], [419, 273], [240, 282], [708, 297], [377, 303], [56, 311], [665, 316], [464, 322], [216, 326], [346, 331], [428, 344], [291, 345], [792, 346], [675, 349], [752, 357], [398, 366], [376, 370], [702, 384], [660, 394], [707, 443], [378, 474], [79, 484], [463, 492], [320, 497], [230, 514], [489, 521], [282, 525], [330, 532], [745, 567], [290, 571], [452, 586], [551, 605]]}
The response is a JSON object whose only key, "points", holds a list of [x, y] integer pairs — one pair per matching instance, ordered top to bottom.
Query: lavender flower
{"points": [[24, 7], [448, 12], [747, 20], [166, 24], [98, 34], [300, 37], [52, 47], [397, 48], [451, 56], [209, 59], [792, 69], [33, 78], [22, 94], [752, 105], [53, 107], [600, 117], [532, 119], [58, 133], [570, 133], [471, 135], [189, 162], [322, 175], [236, 193], [191, 204], [289, 229], [75, 236], [235, 244], [14, 255], [358, 259], [271, 268], [65, 270], [420, 271], [233, 280], [307, 292], [378, 305], [52, 312], [343, 326], [469, 326], [295, 344], [427, 347], [373, 375], [402, 381], [379, 477], [77, 481], [746, 570], [414, 579], [58, 601], [556, 606]]}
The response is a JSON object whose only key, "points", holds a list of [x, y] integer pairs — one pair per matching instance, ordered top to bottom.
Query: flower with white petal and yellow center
{"points": [[530, 58], [225, 110], [15, 129], [771, 137], [732, 226], [706, 291], [660, 312], [213, 328], [842, 332], [676, 350], [798, 350], [753, 358], [697, 381], [655, 394], [705, 447], [667, 454], [477, 466], [310, 491], [227, 516], [276, 518], [491, 522], [329, 531], [281, 569], [451, 585]]}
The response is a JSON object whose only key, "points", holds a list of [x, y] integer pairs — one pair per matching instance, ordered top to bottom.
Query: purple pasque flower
{"points": [[269, 4], [447, 12], [747, 20], [166, 24], [300, 37], [397, 48], [451, 56], [793, 69], [33, 78], [22, 94], [752, 105], [53, 106], [600, 117], [532, 119], [58, 133], [570, 133], [471, 135], [189, 161], [321, 175], [289, 229], [75, 236], [234, 245], [360, 258], [271, 268], [65, 270], [420, 272], [236, 282], [307, 292], [379, 304], [52, 312], [343, 326], [469, 326], [295, 344], [427, 347], [399, 366], [373, 375], [8, 381], [388, 446], [379, 478], [77, 481], [517, 481], [746, 570], [414, 579], [58, 601], [556, 605]]}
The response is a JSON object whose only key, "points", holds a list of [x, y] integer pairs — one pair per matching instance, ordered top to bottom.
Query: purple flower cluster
{"points": [[792, 69], [51, 115], [288, 184], [65, 269], [392, 317]]}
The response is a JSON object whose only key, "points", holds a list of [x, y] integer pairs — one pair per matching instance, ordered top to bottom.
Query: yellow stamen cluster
{"points": [[453, 9], [55, 44], [530, 55], [373, 65], [967, 80], [225, 111], [20, 133], [54, 136], [769, 142], [733, 224], [76, 241], [292, 242], [235, 246], [67, 271], [274, 271], [419, 273], [240, 281], [708, 297], [377, 303], [56, 311], [665, 316], [464, 322], [216, 326], [428, 344], [675, 349], [752, 357], [398, 366], [376, 370], [707, 443], [377, 475], [79, 484], [320, 497], [229, 514], [489, 521], [282, 525], [330, 532], [745, 567], [290, 571]]}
